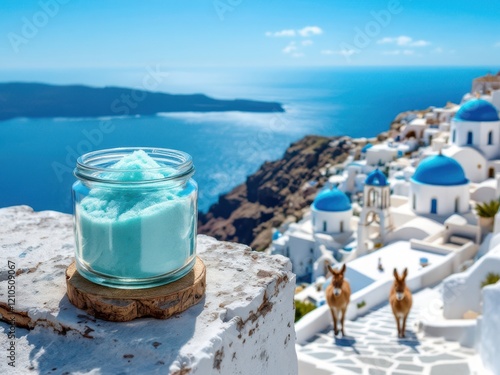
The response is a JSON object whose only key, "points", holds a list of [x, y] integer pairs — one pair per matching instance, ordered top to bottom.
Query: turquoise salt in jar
{"points": [[135, 216]]}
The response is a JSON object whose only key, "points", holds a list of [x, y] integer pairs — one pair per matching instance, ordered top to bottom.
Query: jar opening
{"points": [[134, 165]]}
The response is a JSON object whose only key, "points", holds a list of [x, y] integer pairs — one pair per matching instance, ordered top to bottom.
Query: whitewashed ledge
{"points": [[244, 324]]}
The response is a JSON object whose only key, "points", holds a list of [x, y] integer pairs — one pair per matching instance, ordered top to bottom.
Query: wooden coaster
{"points": [[122, 305]]}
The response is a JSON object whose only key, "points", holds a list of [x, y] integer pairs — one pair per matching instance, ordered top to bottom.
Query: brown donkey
{"points": [[338, 294], [400, 300]]}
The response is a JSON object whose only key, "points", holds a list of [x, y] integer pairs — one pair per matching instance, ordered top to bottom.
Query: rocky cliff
{"points": [[284, 189], [278, 191]]}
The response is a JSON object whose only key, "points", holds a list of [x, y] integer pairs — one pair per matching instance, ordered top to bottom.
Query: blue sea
{"points": [[37, 156]]}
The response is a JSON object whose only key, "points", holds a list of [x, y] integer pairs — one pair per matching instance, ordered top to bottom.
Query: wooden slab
{"points": [[122, 305]]}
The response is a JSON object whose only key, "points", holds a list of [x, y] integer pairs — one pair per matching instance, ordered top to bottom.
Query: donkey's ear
{"points": [[342, 270], [332, 271], [405, 273], [396, 276]]}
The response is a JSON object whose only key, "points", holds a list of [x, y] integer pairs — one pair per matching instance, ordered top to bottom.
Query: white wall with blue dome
{"points": [[477, 125], [439, 186], [331, 211]]}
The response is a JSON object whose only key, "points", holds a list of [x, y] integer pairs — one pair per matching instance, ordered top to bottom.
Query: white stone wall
{"points": [[495, 99], [479, 132], [380, 154], [474, 164], [421, 196], [336, 222], [301, 253], [462, 291], [243, 325], [489, 335]]}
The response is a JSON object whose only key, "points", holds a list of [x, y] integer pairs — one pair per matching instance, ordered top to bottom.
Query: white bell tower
{"points": [[375, 220]]}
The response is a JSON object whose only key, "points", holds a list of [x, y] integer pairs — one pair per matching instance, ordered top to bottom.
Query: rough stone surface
{"points": [[244, 325]]}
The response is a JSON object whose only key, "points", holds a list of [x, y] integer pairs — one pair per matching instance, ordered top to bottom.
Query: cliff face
{"points": [[278, 191]]}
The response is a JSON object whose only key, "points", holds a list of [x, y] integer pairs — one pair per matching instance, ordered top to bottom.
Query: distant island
{"points": [[37, 100]]}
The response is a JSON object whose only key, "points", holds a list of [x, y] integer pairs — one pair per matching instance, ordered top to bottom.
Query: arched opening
{"points": [[411, 134], [470, 138], [490, 138], [491, 172], [369, 198], [376, 198], [434, 204], [457, 204], [372, 217], [342, 226]]}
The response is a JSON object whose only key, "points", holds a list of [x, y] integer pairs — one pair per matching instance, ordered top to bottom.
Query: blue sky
{"points": [[220, 33]]}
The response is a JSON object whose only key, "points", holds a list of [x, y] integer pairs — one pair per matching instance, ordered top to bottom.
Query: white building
{"points": [[477, 125], [415, 129], [381, 154], [439, 187], [315, 240]]}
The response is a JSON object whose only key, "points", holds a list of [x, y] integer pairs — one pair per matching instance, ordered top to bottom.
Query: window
{"points": [[454, 137], [469, 138], [490, 138], [491, 172], [414, 202], [457, 204], [434, 206], [324, 226], [342, 227]]}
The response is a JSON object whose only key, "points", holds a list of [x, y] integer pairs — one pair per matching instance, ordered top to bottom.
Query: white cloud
{"points": [[309, 31], [305, 32], [281, 33], [404, 40], [307, 42], [420, 43], [497, 45], [290, 48], [438, 50], [344, 52], [396, 52], [297, 54]]}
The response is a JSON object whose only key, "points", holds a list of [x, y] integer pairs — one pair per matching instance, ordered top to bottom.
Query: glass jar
{"points": [[135, 216]]}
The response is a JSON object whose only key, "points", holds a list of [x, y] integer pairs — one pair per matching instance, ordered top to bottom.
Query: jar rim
{"points": [[87, 165]]}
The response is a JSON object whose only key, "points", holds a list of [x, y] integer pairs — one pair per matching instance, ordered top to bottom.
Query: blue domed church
{"points": [[477, 125], [439, 187], [331, 211]]}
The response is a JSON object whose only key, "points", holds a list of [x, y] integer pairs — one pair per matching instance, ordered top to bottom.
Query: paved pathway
{"points": [[372, 348]]}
